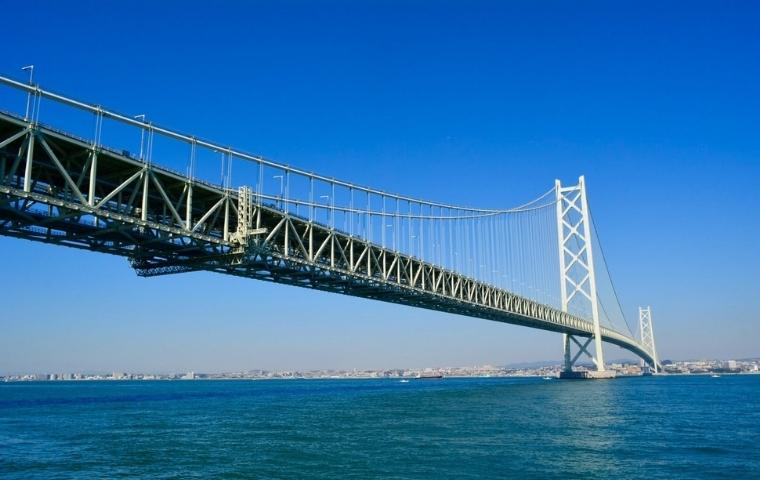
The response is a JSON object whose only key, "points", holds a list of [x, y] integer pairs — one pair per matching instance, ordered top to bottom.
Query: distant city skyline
{"points": [[484, 104], [538, 364], [621, 367]]}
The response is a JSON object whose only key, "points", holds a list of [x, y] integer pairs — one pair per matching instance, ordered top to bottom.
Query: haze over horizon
{"points": [[484, 105]]}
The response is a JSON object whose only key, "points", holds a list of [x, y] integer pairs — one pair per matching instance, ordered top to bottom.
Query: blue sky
{"points": [[478, 103]]}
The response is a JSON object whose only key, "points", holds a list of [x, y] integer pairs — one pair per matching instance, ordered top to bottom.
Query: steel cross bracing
{"points": [[62, 190], [646, 333]]}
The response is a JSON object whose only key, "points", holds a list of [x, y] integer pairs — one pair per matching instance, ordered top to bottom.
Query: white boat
{"points": [[715, 376], [547, 378], [404, 380]]}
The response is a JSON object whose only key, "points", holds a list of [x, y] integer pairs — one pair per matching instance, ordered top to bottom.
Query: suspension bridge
{"points": [[78, 175]]}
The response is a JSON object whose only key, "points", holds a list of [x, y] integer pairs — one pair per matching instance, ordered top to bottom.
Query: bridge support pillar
{"points": [[576, 265], [646, 333], [568, 364], [587, 375]]}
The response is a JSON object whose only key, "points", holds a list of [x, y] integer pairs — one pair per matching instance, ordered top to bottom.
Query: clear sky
{"points": [[478, 103]]}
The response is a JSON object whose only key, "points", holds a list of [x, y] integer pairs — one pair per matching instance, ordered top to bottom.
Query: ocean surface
{"points": [[694, 427]]}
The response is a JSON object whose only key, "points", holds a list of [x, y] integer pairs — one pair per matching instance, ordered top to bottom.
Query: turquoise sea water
{"points": [[657, 427]]}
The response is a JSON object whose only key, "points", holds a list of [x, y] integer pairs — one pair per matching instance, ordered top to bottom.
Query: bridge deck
{"points": [[58, 189]]}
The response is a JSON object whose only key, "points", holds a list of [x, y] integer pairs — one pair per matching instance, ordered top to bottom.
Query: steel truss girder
{"points": [[134, 210]]}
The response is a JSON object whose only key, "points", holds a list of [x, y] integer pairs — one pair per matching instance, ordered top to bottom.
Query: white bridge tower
{"points": [[577, 277], [646, 332]]}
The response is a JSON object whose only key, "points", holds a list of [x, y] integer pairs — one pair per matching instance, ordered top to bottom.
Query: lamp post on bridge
{"points": [[29, 68], [141, 117]]}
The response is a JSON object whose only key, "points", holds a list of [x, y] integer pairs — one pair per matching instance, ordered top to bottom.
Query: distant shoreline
{"points": [[457, 377]]}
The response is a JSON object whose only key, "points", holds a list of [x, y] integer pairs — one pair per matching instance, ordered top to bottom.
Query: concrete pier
{"points": [[587, 375]]}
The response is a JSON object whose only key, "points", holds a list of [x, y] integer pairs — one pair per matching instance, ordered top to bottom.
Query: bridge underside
{"points": [[61, 190]]}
